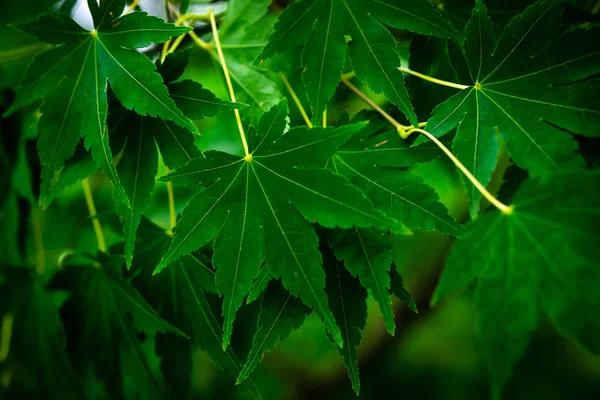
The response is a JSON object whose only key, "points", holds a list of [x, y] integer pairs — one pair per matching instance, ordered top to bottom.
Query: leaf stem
{"points": [[132, 6], [596, 8], [213, 24], [201, 43], [434, 80], [296, 99], [325, 118], [399, 127], [405, 131], [89, 199], [497, 203], [172, 211], [40, 253], [5, 336]]}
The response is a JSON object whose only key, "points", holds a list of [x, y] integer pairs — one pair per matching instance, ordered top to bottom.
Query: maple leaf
{"points": [[321, 25], [244, 31], [72, 81], [526, 92], [142, 135], [373, 163], [377, 164], [260, 207], [540, 258], [180, 295], [348, 301], [280, 315], [111, 326], [37, 336]]}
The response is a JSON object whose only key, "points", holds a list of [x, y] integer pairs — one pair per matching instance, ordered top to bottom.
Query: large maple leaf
{"points": [[324, 27], [72, 81], [523, 90], [260, 207], [542, 256]]}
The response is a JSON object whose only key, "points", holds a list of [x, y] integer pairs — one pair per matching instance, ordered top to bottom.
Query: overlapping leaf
{"points": [[321, 27], [243, 33], [72, 81], [524, 92], [142, 135], [372, 162], [260, 207], [541, 258], [180, 295], [348, 301], [102, 305], [280, 315], [36, 336]]}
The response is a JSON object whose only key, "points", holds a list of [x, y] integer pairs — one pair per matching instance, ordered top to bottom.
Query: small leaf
{"points": [[348, 301], [280, 315]]}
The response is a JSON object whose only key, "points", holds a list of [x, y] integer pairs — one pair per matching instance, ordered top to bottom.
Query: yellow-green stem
{"points": [[132, 6], [596, 8], [213, 24], [201, 43], [434, 80], [296, 99], [370, 102], [325, 118], [89, 199], [497, 203], [172, 211], [5, 336]]}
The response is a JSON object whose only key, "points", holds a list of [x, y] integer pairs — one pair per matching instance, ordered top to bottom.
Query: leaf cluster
{"points": [[305, 219]]}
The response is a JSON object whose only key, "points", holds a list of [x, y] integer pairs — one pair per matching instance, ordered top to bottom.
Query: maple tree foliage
{"points": [[266, 164]]}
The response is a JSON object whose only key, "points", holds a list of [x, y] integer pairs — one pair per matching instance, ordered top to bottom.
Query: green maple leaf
{"points": [[321, 25], [243, 33], [72, 80], [524, 91], [372, 162], [377, 164], [138, 166], [261, 208], [367, 254], [541, 258], [260, 284], [397, 289], [180, 295], [348, 301], [109, 313], [280, 315], [37, 336]]}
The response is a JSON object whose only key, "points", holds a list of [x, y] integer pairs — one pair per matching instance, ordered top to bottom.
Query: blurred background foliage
{"points": [[433, 354]]}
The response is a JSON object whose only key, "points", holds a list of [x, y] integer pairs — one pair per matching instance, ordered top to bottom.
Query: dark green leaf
{"points": [[320, 27], [72, 81], [523, 92], [260, 209], [542, 257], [179, 295], [348, 301], [109, 313], [280, 315], [36, 337]]}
